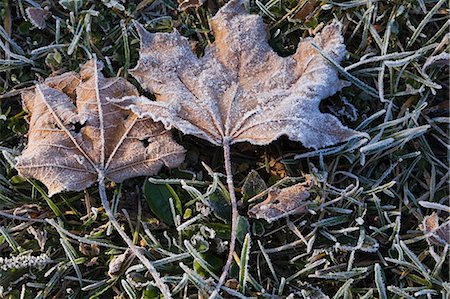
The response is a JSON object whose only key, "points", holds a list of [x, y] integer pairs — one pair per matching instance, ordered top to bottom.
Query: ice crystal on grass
{"points": [[24, 261]]}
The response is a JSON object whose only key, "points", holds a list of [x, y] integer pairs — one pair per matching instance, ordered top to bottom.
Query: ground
{"points": [[366, 232]]}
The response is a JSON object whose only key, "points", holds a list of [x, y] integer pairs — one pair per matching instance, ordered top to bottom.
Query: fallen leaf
{"points": [[306, 10], [37, 16], [241, 90], [77, 137], [276, 167], [281, 203], [28, 210], [435, 233], [39, 235], [89, 249], [117, 263], [232, 284]]}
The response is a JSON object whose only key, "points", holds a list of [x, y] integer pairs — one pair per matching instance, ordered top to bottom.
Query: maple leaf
{"points": [[240, 90], [76, 135], [76, 138]]}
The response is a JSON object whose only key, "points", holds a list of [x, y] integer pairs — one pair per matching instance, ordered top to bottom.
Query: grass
{"points": [[362, 236]]}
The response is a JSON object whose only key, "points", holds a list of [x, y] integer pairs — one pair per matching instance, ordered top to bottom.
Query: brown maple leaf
{"points": [[240, 90], [76, 135], [76, 138]]}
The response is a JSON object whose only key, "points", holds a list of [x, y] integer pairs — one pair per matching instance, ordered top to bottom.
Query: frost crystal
{"points": [[24, 261]]}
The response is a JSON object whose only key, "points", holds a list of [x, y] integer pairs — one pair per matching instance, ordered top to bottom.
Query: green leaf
{"points": [[253, 185], [157, 197], [220, 206], [243, 228], [258, 228], [223, 231], [213, 261], [243, 266], [379, 282], [151, 293]]}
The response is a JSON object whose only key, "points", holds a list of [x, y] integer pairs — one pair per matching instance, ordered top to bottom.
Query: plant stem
{"points": [[234, 218], [163, 288]]}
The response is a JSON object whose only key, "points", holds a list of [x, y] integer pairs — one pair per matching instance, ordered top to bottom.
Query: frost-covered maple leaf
{"points": [[240, 90], [76, 135], [76, 138]]}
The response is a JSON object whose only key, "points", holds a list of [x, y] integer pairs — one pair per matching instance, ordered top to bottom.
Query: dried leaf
{"points": [[307, 10], [37, 16], [241, 90], [76, 136], [281, 203], [31, 211], [435, 233], [39, 235], [115, 266]]}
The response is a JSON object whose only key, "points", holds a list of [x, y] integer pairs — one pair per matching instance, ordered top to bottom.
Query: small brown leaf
{"points": [[306, 10], [37, 16], [241, 90], [77, 137], [281, 203], [31, 211], [435, 233], [39, 235], [89, 249], [116, 265], [232, 284]]}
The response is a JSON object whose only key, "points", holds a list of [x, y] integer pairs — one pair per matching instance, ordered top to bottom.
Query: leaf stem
{"points": [[234, 218], [163, 288]]}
